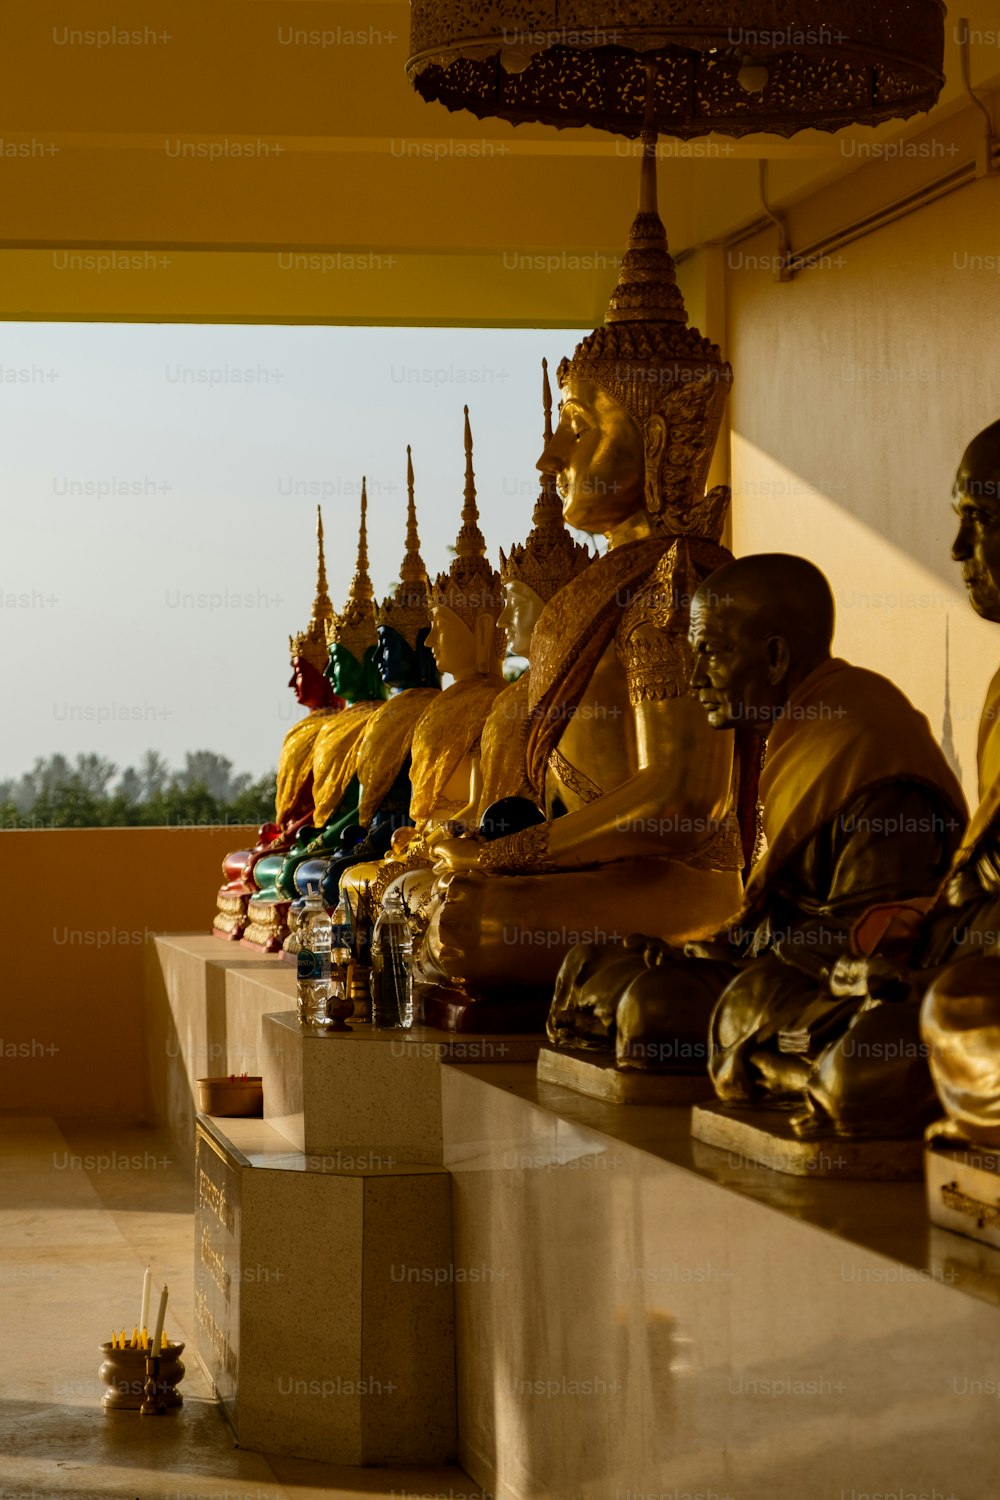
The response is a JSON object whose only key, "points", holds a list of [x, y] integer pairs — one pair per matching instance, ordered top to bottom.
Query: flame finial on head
{"points": [[470, 585], [407, 609], [354, 627], [310, 644]]}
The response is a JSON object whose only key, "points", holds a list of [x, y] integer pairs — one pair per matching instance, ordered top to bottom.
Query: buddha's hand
{"points": [[444, 833], [456, 855], [654, 950]]}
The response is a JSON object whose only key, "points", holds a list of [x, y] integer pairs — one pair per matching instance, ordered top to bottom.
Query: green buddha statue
{"points": [[351, 642], [466, 643], [639, 795], [294, 799]]}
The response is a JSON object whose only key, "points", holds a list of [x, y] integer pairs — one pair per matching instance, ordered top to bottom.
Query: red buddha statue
{"points": [[294, 800]]}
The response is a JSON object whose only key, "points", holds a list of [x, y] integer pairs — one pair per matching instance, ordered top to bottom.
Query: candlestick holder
{"points": [[125, 1373], [153, 1402]]}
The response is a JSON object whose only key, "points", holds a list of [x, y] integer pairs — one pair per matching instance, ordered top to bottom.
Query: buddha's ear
{"points": [[654, 442], [484, 637], [779, 656]]}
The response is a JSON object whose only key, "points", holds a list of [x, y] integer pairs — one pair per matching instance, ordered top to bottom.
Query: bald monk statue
{"points": [[848, 762], [960, 939]]}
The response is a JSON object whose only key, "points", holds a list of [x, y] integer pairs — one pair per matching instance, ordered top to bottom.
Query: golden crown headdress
{"points": [[651, 361], [550, 557], [470, 585], [407, 610], [354, 627], [310, 644]]}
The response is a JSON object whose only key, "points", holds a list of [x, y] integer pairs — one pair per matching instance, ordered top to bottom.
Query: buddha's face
{"points": [[596, 458], [977, 545], [518, 616], [452, 643], [394, 660], [738, 665], [345, 674], [308, 684]]}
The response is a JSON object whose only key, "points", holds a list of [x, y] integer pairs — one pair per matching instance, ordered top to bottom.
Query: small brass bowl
{"points": [[231, 1096]]}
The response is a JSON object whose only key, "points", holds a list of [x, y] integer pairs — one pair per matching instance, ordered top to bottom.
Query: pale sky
{"points": [[159, 536]]}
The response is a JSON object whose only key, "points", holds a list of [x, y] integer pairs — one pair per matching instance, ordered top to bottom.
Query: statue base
{"points": [[231, 916], [268, 925], [455, 1011], [595, 1074], [766, 1137], [963, 1185]]}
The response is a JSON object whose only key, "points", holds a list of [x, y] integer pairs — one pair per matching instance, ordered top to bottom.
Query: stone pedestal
{"points": [[595, 1074], [367, 1096], [766, 1137], [963, 1188], [324, 1301]]}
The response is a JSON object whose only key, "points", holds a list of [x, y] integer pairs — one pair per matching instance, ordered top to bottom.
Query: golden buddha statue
{"points": [[530, 576], [351, 642], [466, 643], [639, 794], [294, 799]]}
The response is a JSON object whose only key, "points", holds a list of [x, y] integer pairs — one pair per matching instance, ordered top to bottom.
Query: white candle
{"points": [[147, 1285], [158, 1333]]}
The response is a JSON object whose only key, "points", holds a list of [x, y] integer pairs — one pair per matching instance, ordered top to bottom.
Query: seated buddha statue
{"points": [[351, 642], [466, 643], [407, 668], [847, 758], [638, 793], [501, 797], [294, 799]]}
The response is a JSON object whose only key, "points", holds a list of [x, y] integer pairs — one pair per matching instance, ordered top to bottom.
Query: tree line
{"points": [[92, 792]]}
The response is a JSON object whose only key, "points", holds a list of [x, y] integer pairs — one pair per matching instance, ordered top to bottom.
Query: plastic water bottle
{"points": [[392, 952], [314, 985]]}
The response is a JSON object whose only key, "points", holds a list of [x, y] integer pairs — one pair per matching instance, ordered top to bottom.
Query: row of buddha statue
{"points": [[689, 840]]}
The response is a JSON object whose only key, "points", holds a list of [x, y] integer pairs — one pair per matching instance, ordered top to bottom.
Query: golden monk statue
{"points": [[351, 641], [465, 641], [639, 794], [294, 798], [859, 806], [960, 1019]]}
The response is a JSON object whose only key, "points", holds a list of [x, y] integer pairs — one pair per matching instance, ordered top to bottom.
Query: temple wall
{"points": [[858, 384], [82, 906]]}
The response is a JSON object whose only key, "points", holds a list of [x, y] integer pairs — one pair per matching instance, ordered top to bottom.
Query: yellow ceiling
{"points": [[267, 161]]}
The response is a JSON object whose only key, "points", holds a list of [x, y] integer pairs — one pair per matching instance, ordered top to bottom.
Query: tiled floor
{"points": [[82, 1210]]}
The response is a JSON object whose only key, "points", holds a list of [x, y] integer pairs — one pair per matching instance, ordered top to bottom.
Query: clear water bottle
{"points": [[392, 952], [314, 986]]}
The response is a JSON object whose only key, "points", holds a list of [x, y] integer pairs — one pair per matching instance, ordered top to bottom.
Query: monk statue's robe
{"points": [[858, 806]]}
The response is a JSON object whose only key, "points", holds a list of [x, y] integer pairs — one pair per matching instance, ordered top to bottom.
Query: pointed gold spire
{"points": [[550, 557], [470, 585], [407, 609], [354, 628], [310, 644]]}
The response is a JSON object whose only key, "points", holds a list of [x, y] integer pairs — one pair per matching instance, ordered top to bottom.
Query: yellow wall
{"points": [[857, 387], [80, 907]]}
